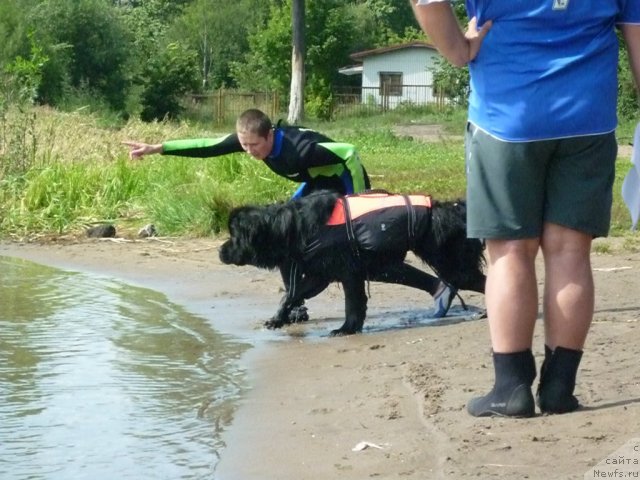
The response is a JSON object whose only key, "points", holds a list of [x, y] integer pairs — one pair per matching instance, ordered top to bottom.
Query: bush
{"points": [[167, 78]]}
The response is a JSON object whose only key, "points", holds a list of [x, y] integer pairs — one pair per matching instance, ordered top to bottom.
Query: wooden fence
{"points": [[365, 100], [223, 106]]}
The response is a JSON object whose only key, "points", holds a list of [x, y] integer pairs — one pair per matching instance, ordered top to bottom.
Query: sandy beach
{"points": [[388, 403]]}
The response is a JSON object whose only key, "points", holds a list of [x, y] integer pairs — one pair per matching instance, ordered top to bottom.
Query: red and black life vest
{"points": [[374, 222]]}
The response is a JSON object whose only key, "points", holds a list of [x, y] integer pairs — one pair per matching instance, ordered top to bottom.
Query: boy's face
{"points": [[255, 145]]}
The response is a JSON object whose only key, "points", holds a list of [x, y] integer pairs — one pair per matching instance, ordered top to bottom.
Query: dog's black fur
{"points": [[275, 236]]}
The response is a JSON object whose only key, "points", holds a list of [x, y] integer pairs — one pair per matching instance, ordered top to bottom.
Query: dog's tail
{"points": [[456, 259]]}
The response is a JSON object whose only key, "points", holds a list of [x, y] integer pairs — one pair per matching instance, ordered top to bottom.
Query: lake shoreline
{"points": [[389, 403]]}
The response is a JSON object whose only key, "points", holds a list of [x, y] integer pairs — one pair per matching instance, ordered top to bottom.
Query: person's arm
{"points": [[437, 20], [631, 34], [197, 147], [203, 147], [139, 149]]}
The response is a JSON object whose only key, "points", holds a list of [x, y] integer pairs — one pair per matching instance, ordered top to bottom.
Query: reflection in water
{"points": [[101, 380]]}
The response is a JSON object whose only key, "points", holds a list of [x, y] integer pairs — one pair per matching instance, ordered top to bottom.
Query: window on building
{"points": [[391, 84]]}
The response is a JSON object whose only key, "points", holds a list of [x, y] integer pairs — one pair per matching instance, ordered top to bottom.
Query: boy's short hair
{"points": [[254, 121]]}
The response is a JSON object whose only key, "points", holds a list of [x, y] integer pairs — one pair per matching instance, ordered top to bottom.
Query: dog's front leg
{"points": [[301, 286], [355, 305], [281, 317]]}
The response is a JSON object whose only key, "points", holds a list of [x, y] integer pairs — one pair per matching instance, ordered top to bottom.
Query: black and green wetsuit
{"points": [[299, 154]]}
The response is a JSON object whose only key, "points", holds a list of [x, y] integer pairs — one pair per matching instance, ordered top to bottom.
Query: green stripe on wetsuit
{"points": [[348, 153]]}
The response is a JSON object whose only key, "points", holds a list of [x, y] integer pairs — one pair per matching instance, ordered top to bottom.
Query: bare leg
{"points": [[569, 290], [511, 293], [512, 308], [568, 312]]}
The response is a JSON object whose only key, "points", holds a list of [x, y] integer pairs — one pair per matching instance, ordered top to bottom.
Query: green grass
{"points": [[79, 174]]}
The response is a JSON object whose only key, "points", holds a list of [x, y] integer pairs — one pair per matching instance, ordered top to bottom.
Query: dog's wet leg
{"points": [[405, 274], [465, 278], [477, 284], [309, 288], [355, 301], [281, 317]]}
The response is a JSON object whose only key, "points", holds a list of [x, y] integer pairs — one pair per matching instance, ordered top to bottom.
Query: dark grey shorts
{"points": [[513, 188]]}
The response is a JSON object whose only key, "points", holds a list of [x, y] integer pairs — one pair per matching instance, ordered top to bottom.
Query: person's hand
{"points": [[439, 22], [475, 36], [139, 149]]}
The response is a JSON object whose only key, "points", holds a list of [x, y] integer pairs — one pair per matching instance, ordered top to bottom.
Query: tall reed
{"points": [[77, 173]]}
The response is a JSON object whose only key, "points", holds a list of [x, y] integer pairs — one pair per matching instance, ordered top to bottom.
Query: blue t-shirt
{"points": [[547, 68]]}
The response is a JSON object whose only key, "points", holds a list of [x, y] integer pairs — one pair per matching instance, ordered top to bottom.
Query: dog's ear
{"points": [[285, 229]]}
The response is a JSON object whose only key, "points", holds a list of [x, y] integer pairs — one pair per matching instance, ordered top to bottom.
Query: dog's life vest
{"points": [[374, 222]]}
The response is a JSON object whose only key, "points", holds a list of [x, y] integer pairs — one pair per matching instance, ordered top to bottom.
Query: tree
{"points": [[14, 21], [384, 22], [217, 30], [329, 37], [88, 47], [168, 76], [450, 81], [627, 90], [296, 96]]}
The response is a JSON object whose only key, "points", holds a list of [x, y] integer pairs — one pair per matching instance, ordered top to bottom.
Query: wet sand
{"points": [[389, 403]]}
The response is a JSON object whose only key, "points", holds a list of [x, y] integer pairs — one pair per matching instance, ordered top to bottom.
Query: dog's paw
{"points": [[299, 314], [274, 323], [341, 332]]}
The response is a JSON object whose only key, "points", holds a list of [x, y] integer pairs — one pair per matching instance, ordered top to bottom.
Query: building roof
{"points": [[359, 56], [351, 70]]}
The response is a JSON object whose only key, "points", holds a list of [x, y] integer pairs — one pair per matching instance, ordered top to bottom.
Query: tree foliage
{"points": [[384, 22], [14, 29], [217, 30], [329, 38], [97, 48], [126, 54], [26, 75], [167, 77], [627, 90]]}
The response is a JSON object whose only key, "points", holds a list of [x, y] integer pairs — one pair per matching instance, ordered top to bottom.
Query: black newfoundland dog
{"points": [[325, 237]]}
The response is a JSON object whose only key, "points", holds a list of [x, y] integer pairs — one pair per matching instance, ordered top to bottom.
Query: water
{"points": [[102, 380]]}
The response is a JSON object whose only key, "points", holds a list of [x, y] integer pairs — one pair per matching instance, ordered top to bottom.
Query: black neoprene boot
{"points": [[558, 380], [511, 394]]}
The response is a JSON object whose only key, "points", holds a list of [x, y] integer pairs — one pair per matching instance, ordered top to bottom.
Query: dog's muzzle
{"points": [[229, 255]]}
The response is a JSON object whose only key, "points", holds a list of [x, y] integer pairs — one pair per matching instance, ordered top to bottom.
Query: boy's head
{"points": [[255, 132]]}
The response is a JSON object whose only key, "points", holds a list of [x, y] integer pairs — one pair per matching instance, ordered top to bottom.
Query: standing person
{"points": [[540, 154], [301, 155]]}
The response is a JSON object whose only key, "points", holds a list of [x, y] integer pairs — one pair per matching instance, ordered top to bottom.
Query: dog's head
{"points": [[259, 236], [266, 236]]}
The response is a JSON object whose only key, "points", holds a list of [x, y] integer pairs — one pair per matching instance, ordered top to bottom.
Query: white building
{"points": [[396, 74]]}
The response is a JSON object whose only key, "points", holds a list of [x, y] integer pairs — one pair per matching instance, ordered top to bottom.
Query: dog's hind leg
{"points": [[460, 263], [405, 274], [475, 282], [355, 303]]}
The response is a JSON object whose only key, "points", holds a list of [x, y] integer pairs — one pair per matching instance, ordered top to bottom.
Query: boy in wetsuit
{"points": [[299, 154]]}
